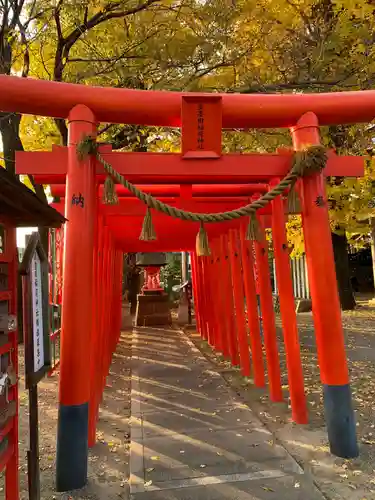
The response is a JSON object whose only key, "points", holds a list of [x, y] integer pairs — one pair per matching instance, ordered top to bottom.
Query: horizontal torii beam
{"points": [[161, 108], [163, 168], [186, 190], [132, 207], [125, 223], [173, 235]]}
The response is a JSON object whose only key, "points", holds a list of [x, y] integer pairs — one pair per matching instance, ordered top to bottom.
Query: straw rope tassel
{"points": [[310, 161], [109, 193], [294, 202], [148, 230], [252, 233], [202, 245]]}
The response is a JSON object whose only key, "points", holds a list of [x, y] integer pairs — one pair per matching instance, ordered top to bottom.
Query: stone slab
{"points": [[188, 382], [189, 400], [180, 422], [193, 439], [221, 452], [262, 486]]}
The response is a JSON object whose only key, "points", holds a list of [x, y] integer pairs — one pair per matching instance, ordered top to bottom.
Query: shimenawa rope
{"points": [[309, 161]]}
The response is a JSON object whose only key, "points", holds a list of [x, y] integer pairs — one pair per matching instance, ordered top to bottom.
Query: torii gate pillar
{"points": [[325, 301], [74, 394]]}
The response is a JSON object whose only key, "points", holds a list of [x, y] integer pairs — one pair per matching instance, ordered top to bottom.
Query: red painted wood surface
{"points": [[161, 108], [201, 118], [171, 168], [176, 190], [321, 266], [78, 268], [225, 273], [207, 284], [196, 291], [220, 298], [215, 299], [239, 303], [252, 308], [288, 314], [268, 317], [95, 335], [10, 458]]}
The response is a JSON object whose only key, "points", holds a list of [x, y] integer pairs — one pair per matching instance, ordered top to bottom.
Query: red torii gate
{"points": [[51, 167], [94, 237]]}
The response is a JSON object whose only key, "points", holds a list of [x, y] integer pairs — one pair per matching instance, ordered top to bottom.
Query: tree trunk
{"points": [[9, 130], [373, 248], [340, 249], [184, 266]]}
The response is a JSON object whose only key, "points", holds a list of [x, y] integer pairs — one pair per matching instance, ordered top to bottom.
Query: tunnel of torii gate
{"points": [[201, 179]]}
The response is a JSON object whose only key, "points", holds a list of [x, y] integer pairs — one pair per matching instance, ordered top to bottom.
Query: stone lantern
{"points": [[153, 307]]}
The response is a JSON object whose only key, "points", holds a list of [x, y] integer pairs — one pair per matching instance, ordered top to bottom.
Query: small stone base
{"points": [[303, 305], [153, 309]]}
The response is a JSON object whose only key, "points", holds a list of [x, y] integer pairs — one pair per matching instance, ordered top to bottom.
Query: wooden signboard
{"points": [[201, 126], [34, 270]]}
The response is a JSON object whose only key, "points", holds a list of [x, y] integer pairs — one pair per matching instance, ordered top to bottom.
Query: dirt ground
{"points": [[108, 459], [336, 478]]}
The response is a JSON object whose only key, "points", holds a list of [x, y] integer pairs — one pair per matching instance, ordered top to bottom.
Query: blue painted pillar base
{"points": [[340, 421], [72, 447]]}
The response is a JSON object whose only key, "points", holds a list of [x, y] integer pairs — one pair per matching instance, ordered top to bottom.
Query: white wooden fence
{"points": [[299, 277]]}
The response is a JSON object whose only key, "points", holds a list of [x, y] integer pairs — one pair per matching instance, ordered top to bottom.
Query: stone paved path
{"points": [[191, 439]]}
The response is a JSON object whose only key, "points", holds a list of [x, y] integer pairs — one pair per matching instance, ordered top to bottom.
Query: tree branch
{"points": [[17, 9], [109, 12], [56, 15], [66, 43], [26, 55], [103, 59], [289, 86]]}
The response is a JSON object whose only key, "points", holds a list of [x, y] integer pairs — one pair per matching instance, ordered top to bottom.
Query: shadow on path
{"points": [[192, 439]]}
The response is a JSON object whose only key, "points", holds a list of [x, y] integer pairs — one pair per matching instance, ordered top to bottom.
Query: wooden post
{"points": [[34, 271], [210, 284], [107, 285], [226, 287], [196, 291], [203, 295], [221, 298], [215, 300], [325, 301], [117, 302], [239, 302], [208, 304], [252, 308], [100, 313], [288, 314], [268, 316], [95, 352], [74, 394]]}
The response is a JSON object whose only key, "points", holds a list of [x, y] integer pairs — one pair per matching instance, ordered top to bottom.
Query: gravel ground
{"points": [[108, 459], [336, 478]]}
